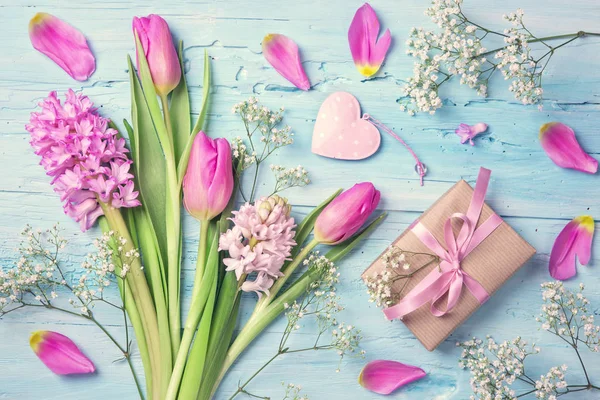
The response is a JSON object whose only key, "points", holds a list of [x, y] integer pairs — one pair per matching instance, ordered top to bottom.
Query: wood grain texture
{"points": [[533, 195]]}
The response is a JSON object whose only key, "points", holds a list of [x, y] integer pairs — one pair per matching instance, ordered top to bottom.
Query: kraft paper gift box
{"points": [[490, 262]]}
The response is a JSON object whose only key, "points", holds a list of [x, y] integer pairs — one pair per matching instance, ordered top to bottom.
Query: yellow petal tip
{"points": [[367, 70], [587, 222], [35, 339]]}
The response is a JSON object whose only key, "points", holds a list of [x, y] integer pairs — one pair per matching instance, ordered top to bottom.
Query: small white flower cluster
{"points": [[457, 49], [260, 120], [240, 153], [286, 178], [37, 277], [566, 314], [495, 366], [551, 385], [292, 392]]}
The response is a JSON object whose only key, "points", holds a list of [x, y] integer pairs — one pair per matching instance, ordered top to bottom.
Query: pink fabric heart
{"points": [[341, 133]]}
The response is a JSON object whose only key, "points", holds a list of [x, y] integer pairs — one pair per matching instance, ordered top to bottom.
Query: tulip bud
{"points": [[155, 37], [208, 181], [344, 216], [59, 353]]}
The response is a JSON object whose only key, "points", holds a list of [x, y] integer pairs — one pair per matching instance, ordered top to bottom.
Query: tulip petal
{"points": [[64, 44], [368, 52], [283, 54], [560, 143], [574, 240], [60, 354], [384, 377]]}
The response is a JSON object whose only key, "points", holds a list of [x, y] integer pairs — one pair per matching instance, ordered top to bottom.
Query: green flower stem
{"points": [[542, 39], [173, 227], [287, 272], [203, 284], [143, 301], [259, 321]]}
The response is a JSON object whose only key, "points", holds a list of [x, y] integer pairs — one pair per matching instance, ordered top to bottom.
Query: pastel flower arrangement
{"points": [[135, 191]]}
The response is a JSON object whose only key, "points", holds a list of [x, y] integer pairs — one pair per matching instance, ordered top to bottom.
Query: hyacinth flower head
{"points": [[86, 159], [260, 241]]}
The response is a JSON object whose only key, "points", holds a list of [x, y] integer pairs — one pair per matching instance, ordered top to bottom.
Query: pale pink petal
{"points": [[64, 44], [368, 53], [283, 54], [468, 132], [560, 143], [574, 240], [60, 354], [384, 377]]}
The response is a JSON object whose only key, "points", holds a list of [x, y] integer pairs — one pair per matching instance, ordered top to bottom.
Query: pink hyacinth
{"points": [[85, 158], [260, 241]]}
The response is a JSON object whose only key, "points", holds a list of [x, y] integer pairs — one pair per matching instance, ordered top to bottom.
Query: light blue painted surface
{"points": [[534, 196]]}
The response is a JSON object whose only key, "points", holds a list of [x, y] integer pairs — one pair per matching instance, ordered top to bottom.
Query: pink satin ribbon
{"points": [[449, 277]]}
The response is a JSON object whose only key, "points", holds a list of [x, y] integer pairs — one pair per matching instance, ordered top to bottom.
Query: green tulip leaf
{"points": [[180, 111]]}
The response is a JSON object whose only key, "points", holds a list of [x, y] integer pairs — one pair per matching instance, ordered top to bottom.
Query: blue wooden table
{"points": [[527, 189]]}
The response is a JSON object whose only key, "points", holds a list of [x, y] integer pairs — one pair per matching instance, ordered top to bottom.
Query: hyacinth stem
{"points": [[173, 226], [287, 272], [200, 294], [143, 302]]}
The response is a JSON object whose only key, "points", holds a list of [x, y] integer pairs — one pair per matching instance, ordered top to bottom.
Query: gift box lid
{"points": [[491, 264]]}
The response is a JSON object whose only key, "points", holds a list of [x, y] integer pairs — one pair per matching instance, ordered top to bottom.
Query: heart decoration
{"points": [[341, 133]]}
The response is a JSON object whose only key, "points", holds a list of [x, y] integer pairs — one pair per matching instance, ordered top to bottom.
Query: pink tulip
{"points": [[64, 44], [160, 52], [368, 52], [282, 53], [468, 132], [560, 143], [208, 181], [344, 216], [574, 240], [60, 354], [383, 377]]}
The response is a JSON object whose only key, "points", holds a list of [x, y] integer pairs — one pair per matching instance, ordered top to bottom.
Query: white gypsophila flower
{"points": [[286, 178]]}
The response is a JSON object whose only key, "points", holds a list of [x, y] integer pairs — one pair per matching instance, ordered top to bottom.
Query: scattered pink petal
{"points": [[64, 44], [368, 52], [283, 54], [468, 132], [560, 143], [574, 240], [60, 354], [384, 377]]}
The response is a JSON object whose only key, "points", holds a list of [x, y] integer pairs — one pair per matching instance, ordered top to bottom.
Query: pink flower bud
{"points": [[155, 37], [208, 181], [344, 216], [60, 354], [383, 377]]}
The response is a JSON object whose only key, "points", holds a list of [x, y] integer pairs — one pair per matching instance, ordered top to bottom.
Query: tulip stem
{"points": [[199, 298]]}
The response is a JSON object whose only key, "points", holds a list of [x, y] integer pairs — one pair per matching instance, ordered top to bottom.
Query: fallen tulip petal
{"points": [[64, 44], [368, 52], [282, 53], [468, 132], [560, 143], [574, 240], [60, 354], [383, 376]]}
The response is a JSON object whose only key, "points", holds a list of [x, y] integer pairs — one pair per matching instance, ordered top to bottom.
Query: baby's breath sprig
{"points": [[457, 49], [262, 123], [398, 264], [38, 280], [321, 302], [495, 367]]}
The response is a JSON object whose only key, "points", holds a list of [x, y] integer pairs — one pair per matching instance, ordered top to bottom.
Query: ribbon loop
{"points": [[450, 277]]}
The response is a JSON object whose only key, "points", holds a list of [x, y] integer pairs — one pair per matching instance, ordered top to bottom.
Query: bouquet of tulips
{"points": [[135, 190]]}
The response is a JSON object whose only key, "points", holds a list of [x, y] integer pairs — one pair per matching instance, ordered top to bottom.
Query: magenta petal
{"points": [[64, 44], [368, 52], [283, 54], [560, 143], [574, 240], [60, 354], [383, 376]]}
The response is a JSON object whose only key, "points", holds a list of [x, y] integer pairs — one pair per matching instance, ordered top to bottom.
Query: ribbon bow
{"points": [[450, 277]]}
